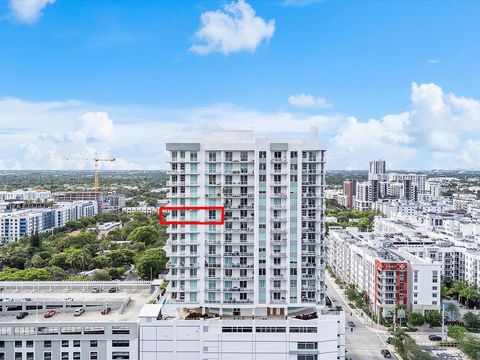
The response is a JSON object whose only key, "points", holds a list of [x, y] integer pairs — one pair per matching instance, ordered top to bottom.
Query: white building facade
{"points": [[266, 260]]}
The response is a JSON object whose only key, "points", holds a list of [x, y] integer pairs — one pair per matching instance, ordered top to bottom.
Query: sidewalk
{"points": [[367, 321], [373, 327]]}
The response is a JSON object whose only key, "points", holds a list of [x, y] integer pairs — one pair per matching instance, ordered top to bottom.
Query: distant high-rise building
{"points": [[376, 170], [349, 190]]}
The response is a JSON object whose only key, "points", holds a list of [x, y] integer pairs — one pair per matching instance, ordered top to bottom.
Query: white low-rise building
{"points": [[21, 223], [388, 276], [173, 334]]}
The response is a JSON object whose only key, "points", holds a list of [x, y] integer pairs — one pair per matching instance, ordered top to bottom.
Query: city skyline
{"points": [[373, 79]]}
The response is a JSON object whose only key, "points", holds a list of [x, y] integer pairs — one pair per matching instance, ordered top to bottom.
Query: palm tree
{"points": [[457, 288], [469, 294]]}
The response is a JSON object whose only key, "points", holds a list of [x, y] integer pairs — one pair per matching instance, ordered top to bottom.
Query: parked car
{"points": [[95, 289], [113, 290], [27, 299], [69, 299], [106, 310], [78, 312], [22, 314], [49, 314], [351, 323], [435, 338], [390, 339], [386, 354]]}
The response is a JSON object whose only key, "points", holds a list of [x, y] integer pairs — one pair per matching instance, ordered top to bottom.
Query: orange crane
{"points": [[96, 180]]}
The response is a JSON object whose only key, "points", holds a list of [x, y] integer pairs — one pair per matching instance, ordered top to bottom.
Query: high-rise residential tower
{"points": [[376, 170], [269, 251], [262, 270]]}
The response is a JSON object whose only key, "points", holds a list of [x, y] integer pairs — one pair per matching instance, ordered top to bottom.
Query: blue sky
{"points": [[379, 79]]}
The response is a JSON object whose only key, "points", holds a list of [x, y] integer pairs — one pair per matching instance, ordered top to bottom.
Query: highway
{"points": [[365, 342]]}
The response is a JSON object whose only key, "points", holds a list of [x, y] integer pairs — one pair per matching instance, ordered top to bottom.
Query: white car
{"points": [[78, 312]]}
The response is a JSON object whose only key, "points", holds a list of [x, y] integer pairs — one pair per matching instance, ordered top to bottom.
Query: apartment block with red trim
{"points": [[388, 276]]}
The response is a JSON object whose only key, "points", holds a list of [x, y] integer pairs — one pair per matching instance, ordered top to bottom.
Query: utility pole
{"points": [[443, 322]]}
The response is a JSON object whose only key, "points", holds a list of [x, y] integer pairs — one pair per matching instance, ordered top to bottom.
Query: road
{"points": [[364, 343]]}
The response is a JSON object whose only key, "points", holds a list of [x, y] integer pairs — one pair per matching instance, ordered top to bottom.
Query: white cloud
{"points": [[28, 11], [233, 29], [433, 61], [307, 100], [95, 126], [440, 130]]}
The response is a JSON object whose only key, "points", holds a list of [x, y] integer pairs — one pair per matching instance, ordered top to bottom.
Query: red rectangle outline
{"points": [[166, 208]]}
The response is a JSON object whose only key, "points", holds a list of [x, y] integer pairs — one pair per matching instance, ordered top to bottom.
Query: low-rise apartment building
{"points": [[21, 223], [387, 276]]}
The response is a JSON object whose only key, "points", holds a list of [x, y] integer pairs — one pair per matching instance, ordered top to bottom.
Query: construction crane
{"points": [[96, 179]]}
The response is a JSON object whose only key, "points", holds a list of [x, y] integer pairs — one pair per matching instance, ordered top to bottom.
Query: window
{"points": [[236, 329], [270, 329], [303, 329], [94, 330], [120, 330], [18, 343], [65, 343], [76, 343], [93, 343], [120, 343], [29, 344], [47, 344], [307, 345], [29, 355], [64, 355], [94, 355], [120, 355], [18, 356], [47, 356], [76, 356], [307, 357]]}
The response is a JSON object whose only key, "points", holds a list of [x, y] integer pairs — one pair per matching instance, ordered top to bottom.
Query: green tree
{"points": [[144, 234], [35, 240], [121, 257], [78, 259], [59, 260], [35, 261], [99, 262], [151, 263], [116, 272], [56, 273], [30, 274], [101, 275], [469, 294], [433, 318], [415, 319], [470, 320], [456, 332]]}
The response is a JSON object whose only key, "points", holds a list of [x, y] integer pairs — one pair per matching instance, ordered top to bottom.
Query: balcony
{"points": [[278, 160], [237, 301]]}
